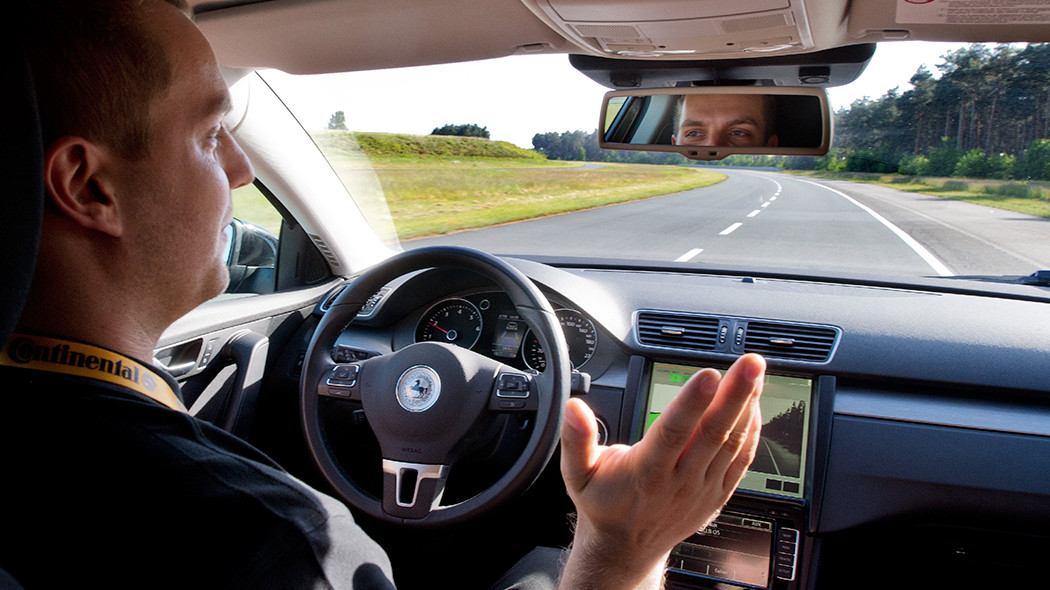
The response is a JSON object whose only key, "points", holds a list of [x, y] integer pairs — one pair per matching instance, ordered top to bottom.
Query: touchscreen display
{"points": [[779, 464], [734, 548]]}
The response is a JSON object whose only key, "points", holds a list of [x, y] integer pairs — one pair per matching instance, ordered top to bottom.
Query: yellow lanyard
{"points": [[84, 360]]}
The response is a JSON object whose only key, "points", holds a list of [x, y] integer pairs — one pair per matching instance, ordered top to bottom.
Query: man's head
{"points": [[101, 52], [739, 120], [138, 167]]}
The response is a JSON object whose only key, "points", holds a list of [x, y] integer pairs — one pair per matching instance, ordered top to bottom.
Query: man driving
{"points": [[737, 120], [110, 482]]}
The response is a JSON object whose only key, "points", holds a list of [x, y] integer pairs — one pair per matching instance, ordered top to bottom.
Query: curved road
{"points": [[771, 219]]}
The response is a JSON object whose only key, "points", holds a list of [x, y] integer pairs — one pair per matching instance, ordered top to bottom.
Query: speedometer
{"points": [[456, 321], [580, 335]]}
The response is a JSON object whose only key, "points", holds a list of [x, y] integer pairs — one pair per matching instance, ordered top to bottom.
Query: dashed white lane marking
{"points": [[730, 229], [918, 248], [696, 251], [688, 255]]}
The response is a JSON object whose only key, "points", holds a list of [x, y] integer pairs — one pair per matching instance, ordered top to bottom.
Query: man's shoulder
{"points": [[130, 441], [90, 458]]}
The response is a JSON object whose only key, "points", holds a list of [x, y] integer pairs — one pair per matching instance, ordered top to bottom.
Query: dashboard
{"points": [[488, 324], [901, 425]]}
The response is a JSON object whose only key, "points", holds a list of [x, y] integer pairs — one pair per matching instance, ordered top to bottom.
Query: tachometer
{"points": [[456, 321], [580, 335]]}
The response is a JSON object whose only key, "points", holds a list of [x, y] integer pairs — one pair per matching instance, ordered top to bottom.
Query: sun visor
{"points": [[969, 21]]}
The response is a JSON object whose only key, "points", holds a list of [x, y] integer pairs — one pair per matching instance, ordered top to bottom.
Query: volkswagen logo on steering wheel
{"points": [[418, 388]]}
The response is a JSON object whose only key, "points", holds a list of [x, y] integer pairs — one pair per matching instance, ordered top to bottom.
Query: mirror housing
{"points": [[700, 122]]}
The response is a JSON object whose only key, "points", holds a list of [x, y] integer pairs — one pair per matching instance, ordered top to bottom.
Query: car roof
{"points": [[320, 36]]}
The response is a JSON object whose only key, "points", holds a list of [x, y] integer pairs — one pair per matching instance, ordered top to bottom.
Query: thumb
{"points": [[579, 434]]}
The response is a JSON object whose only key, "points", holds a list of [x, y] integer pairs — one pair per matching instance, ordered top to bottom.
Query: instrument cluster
{"points": [[488, 323]]}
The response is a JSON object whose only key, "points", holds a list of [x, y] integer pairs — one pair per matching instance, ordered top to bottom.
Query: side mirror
{"points": [[710, 123], [251, 257]]}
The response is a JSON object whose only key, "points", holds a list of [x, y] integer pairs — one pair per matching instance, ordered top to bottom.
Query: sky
{"points": [[519, 96]]}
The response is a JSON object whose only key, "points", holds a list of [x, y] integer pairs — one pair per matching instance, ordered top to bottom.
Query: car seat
{"points": [[23, 171]]}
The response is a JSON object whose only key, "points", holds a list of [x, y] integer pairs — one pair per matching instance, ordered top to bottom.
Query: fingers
{"points": [[741, 383], [724, 427], [670, 434], [578, 444], [739, 464]]}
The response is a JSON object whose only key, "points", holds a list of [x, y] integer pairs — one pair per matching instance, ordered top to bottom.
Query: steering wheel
{"points": [[424, 400]]}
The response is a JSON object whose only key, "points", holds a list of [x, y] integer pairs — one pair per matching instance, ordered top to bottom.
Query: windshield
{"points": [[939, 168]]}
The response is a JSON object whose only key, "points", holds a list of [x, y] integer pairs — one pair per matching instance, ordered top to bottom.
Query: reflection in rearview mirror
{"points": [[710, 123]]}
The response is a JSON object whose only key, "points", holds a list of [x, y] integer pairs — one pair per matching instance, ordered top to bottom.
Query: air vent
{"points": [[327, 252], [327, 304], [677, 331], [790, 341]]}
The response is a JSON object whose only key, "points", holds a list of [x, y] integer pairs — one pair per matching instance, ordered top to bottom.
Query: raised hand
{"points": [[636, 503]]}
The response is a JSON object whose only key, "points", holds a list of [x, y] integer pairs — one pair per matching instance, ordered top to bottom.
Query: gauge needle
{"points": [[438, 327]]}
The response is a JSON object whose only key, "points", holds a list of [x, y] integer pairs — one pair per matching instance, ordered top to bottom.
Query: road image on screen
{"points": [[779, 465]]}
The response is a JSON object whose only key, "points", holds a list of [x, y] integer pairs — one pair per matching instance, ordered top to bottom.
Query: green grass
{"points": [[398, 145], [438, 184], [1028, 197], [431, 199], [250, 205]]}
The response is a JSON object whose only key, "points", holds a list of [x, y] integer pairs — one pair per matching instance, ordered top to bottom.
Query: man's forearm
{"points": [[609, 564]]}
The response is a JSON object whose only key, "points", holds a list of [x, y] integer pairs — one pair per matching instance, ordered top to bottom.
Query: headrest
{"points": [[22, 197]]}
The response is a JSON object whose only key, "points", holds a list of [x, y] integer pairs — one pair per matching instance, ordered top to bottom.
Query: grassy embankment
{"points": [[441, 184], [1028, 197]]}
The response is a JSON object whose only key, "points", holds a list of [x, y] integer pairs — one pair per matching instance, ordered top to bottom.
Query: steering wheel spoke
{"points": [[412, 490]]}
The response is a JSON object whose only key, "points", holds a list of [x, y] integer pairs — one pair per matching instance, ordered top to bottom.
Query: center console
{"points": [[758, 539]]}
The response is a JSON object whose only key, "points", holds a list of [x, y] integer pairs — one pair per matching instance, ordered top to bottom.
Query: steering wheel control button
{"points": [[344, 375], [341, 382], [512, 385], [418, 388]]}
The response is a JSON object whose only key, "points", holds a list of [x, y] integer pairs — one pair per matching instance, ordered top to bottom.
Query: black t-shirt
{"points": [[103, 487]]}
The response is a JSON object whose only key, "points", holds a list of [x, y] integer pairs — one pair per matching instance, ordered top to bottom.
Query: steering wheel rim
{"points": [[549, 389]]}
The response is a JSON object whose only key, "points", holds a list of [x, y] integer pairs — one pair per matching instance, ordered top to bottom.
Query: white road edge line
{"points": [[755, 212], [730, 229], [919, 249], [688, 255]]}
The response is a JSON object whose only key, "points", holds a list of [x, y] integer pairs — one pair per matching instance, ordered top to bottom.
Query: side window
{"points": [[252, 242]]}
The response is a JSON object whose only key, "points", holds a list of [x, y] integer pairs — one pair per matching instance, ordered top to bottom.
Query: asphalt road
{"points": [[772, 219], [772, 457]]}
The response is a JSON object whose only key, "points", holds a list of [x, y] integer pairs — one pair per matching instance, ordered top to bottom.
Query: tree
{"points": [[994, 99], [337, 121], [468, 130], [1035, 163]]}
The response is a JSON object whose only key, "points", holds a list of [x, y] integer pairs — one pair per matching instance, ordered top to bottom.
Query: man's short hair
{"points": [[96, 69]]}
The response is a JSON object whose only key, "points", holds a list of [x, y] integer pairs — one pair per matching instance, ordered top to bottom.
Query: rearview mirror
{"points": [[710, 123]]}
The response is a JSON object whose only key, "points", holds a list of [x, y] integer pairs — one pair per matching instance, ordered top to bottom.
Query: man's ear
{"points": [[76, 183]]}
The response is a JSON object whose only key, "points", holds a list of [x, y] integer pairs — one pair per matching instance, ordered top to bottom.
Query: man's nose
{"points": [[238, 168]]}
